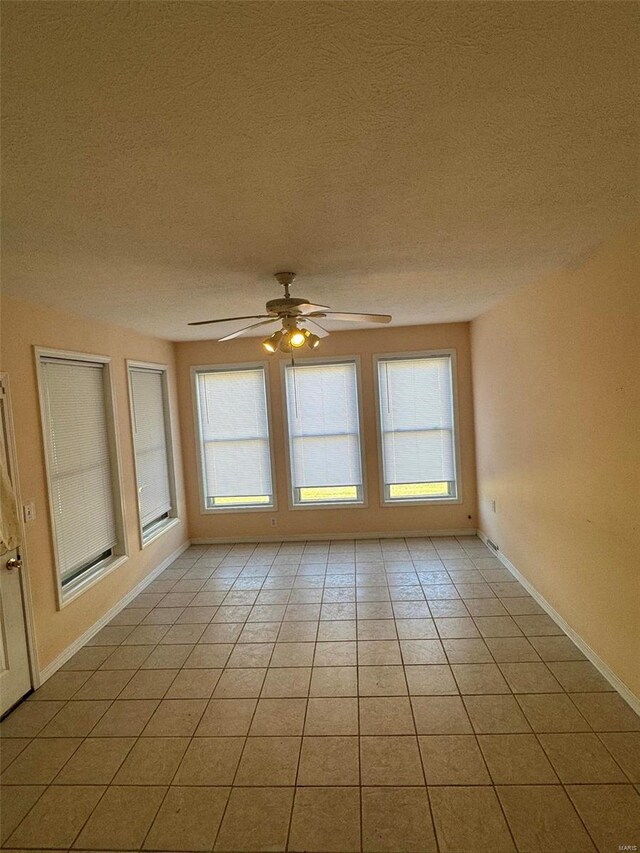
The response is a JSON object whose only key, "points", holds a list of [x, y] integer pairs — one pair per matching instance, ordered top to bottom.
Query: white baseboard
{"points": [[322, 537], [77, 644], [584, 647]]}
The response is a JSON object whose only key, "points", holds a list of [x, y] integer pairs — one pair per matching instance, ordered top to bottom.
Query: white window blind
{"points": [[416, 415], [324, 432], [234, 435], [151, 445], [79, 464]]}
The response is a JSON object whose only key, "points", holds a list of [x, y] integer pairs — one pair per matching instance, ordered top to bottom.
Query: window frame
{"points": [[408, 356], [227, 368], [363, 502], [173, 518], [77, 586]]}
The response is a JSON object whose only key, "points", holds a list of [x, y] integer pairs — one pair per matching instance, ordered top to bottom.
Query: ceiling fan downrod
{"points": [[286, 279]]}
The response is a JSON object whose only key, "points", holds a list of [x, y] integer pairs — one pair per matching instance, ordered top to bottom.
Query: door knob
{"points": [[14, 563]]}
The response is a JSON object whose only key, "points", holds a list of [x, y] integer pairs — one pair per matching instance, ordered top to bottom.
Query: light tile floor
{"points": [[392, 695]]}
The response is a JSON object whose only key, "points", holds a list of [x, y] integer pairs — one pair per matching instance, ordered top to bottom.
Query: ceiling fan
{"points": [[293, 314]]}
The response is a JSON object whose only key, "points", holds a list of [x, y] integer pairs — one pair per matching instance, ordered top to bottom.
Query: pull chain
{"points": [[386, 382], [295, 386], [206, 397]]}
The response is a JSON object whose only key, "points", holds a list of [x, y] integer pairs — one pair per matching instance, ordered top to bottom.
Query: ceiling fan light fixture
{"points": [[298, 338], [288, 339], [272, 342], [285, 346]]}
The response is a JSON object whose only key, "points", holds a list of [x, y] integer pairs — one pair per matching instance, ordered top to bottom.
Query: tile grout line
{"points": [[359, 727], [415, 728], [599, 736], [140, 737], [246, 738], [537, 740], [477, 741], [179, 763], [486, 766], [50, 784]]}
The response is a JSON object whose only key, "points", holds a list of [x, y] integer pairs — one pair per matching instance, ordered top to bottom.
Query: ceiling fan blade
{"points": [[309, 307], [354, 318], [228, 319], [246, 328], [322, 333]]}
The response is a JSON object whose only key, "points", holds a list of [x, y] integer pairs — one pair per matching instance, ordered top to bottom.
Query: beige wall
{"points": [[26, 325], [556, 372], [322, 522]]}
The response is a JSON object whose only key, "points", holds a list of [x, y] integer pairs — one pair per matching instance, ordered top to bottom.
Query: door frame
{"points": [[25, 585]]}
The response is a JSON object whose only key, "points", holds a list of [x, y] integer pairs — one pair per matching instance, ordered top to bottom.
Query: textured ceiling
{"points": [[161, 160]]}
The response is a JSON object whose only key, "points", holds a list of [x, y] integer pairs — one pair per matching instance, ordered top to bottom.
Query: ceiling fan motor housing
{"points": [[286, 306]]}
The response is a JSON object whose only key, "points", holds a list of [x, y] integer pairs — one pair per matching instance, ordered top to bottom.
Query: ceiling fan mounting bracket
{"points": [[285, 278]]}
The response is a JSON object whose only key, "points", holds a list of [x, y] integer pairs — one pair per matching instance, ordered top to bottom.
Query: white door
{"points": [[15, 679]]}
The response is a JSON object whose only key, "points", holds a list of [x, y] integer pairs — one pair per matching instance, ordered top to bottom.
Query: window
{"points": [[417, 428], [324, 433], [152, 448], [235, 455], [82, 469]]}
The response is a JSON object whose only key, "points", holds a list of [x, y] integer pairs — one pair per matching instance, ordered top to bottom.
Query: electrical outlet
{"points": [[29, 511], [274, 522]]}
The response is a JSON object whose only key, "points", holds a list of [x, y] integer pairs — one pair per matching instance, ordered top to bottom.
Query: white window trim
{"points": [[400, 356], [224, 368], [364, 502], [173, 518], [85, 582]]}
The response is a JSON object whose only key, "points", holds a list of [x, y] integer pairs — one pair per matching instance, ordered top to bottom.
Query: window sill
{"points": [[420, 501], [330, 505], [220, 509], [158, 532], [83, 583]]}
